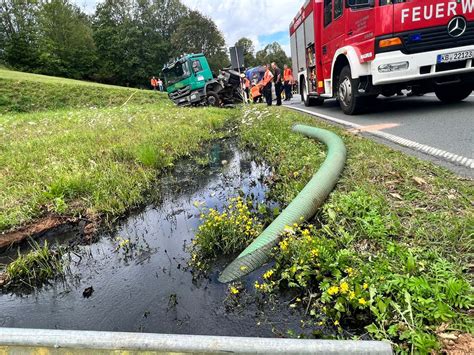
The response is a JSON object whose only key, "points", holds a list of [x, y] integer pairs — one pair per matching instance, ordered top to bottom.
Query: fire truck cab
{"points": [[356, 50]]}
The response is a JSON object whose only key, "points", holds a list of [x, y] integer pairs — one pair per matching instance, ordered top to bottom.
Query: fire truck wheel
{"points": [[453, 93], [213, 99], [350, 102]]}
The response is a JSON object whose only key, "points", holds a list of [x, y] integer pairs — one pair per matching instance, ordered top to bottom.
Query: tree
{"points": [[18, 33], [195, 34], [133, 38], [66, 46], [249, 51], [273, 53]]}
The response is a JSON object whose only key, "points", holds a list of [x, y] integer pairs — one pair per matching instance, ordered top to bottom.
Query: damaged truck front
{"points": [[190, 82]]}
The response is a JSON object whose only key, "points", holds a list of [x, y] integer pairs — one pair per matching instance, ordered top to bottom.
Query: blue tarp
{"points": [[255, 74]]}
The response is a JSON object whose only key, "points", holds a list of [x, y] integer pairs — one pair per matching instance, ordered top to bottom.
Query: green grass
{"points": [[23, 92], [94, 161], [36, 267]]}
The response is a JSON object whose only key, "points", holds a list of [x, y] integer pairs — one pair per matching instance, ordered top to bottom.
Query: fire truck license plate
{"points": [[455, 57]]}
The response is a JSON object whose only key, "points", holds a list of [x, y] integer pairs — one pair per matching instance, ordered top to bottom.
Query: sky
{"points": [[263, 21]]}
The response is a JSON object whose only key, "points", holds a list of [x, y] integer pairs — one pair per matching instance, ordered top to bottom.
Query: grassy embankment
{"points": [[76, 149], [389, 251]]}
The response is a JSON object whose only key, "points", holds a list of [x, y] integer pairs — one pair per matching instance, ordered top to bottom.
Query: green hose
{"points": [[303, 206]]}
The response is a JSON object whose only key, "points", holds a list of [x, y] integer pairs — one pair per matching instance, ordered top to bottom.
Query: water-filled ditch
{"points": [[147, 286]]}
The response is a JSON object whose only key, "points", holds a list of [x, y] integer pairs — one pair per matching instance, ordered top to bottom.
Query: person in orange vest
{"points": [[288, 82], [154, 83], [266, 83]]}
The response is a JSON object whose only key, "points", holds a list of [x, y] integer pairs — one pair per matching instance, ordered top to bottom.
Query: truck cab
{"points": [[355, 50], [186, 79]]}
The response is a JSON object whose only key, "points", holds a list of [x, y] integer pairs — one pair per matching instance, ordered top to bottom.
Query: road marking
{"points": [[375, 127], [435, 152]]}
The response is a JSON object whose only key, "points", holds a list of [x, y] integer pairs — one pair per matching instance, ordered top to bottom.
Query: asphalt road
{"points": [[424, 120]]}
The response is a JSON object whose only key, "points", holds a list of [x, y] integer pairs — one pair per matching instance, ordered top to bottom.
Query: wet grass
{"points": [[34, 268]]}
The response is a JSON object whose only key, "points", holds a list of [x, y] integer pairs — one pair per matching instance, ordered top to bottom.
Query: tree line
{"points": [[123, 42]]}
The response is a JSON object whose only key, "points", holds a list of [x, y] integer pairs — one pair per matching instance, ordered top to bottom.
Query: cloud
{"points": [[259, 20], [263, 21]]}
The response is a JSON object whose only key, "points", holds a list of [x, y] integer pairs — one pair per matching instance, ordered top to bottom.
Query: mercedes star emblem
{"points": [[457, 26]]}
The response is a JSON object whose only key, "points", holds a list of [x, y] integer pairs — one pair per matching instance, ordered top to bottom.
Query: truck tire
{"points": [[453, 93], [213, 99], [310, 101], [350, 102]]}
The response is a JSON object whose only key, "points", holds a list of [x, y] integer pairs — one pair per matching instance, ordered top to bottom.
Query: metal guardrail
{"points": [[34, 341]]}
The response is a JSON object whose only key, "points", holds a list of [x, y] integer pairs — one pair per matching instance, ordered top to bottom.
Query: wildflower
{"points": [[284, 245], [314, 253], [243, 268], [350, 271], [268, 274], [257, 285], [365, 286], [344, 287], [234, 290], [333, 290], [352, 295], [362, 301], [321, 323], [336, 323]]}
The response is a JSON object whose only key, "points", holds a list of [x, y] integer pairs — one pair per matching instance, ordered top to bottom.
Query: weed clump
{"points": [[224, 233], [36, 267], [395, 292]]}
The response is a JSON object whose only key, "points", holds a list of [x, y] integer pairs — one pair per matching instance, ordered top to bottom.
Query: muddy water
{"points": [[148, 288]]}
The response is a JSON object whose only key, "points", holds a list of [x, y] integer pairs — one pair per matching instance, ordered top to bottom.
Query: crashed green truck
{"points": [[190, 82]]}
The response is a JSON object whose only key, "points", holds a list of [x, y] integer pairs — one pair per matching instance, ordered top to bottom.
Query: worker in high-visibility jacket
{"points": [[288, 82], [153, 83], [267, 85]]}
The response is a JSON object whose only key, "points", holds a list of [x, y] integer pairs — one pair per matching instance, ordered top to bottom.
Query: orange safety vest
{"points": [[288, 75], [267, 78], [154, 82], [247, 83], [255, 91]]}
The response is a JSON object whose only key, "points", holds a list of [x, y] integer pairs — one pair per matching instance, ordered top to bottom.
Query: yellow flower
{"points": [[284, 245], [314, 253], [243, 268], [350, 271], [268, 274], [257, 285], [365, 286], [344, 287], [234, 290], [333, 290], [352, 295], [362, 301], [336, 323]]}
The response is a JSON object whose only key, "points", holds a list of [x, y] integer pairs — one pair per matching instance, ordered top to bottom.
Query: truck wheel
{"points": [[453, 93], [213, 99], [350, 102]]}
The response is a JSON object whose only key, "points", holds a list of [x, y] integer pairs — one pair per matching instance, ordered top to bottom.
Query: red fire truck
{"points": [[356, 50]]}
